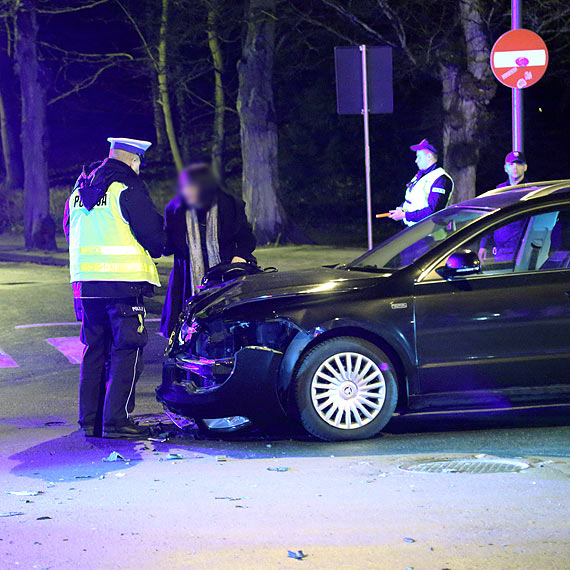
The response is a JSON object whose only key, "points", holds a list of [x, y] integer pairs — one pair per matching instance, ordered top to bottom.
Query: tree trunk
{"points": [[162, 76], [465, 95], [9, 121], [258, 128], [218, 138], [161, 145], [39, 227]]}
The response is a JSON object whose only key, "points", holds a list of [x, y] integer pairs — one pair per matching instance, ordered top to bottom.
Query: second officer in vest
{"points": [[428, 191], [114, 231]]}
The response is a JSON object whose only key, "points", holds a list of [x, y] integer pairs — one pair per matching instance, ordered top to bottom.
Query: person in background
{"points": [[515, 167], [428, 191], [205, 226], [114, 231], [503, 242]]}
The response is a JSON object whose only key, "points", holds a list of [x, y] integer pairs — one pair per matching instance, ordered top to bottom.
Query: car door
{"points": [[507, 327]]}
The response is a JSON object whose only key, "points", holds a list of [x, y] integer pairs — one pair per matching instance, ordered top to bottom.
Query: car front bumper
{"points": [[249, 390]]}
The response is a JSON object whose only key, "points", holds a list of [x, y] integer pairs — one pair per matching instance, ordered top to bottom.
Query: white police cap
{"points": [[129, 145]]}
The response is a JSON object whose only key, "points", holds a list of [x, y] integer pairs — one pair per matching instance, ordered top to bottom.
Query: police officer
{"points": [[515, 167], [428, 191], [113, 231], [503, 242]]}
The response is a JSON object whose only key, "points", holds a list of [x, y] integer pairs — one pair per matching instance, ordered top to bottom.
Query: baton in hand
{"points": [[384, 215]]}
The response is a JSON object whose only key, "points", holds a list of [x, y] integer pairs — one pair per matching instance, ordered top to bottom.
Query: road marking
{"points": [[37, 325], [70, 346], [6, 361]]}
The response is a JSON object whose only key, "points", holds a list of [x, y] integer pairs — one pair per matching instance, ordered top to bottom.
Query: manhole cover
{"points": [[474, 466]]}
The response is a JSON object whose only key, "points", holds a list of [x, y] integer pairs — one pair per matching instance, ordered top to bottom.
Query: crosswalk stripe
{"points": [[70, 346], [6, 361]]}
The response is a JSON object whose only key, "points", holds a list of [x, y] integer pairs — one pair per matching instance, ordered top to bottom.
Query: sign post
{"points": [[519, 59], [363, 87], [516, 93], [365, 114]]}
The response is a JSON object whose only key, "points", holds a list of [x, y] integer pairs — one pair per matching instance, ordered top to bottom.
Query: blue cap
{"points": [[129, 145], [424, 145], [515, 156]]}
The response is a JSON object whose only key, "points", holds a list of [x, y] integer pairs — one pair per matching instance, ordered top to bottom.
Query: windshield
{"points": [[408, 245]]}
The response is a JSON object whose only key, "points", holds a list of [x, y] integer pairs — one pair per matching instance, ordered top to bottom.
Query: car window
{"points": [[529, 243], [410, 244]]}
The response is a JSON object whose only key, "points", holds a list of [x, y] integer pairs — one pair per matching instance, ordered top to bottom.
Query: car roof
{"points": [[503, 197]]}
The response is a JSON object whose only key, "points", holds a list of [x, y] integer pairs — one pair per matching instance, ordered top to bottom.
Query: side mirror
{"points": [[459, 264]]}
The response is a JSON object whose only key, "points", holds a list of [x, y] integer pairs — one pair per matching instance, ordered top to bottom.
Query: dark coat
{"points": [[235, 238]]}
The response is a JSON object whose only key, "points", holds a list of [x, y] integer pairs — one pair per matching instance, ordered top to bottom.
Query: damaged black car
{"points": [[467, 310]]}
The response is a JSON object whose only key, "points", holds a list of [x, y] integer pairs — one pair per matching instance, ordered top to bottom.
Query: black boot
{"points": [[88, 430], [130, 430]]}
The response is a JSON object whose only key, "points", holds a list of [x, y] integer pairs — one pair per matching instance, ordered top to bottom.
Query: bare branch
{"points": [[68, 9]]}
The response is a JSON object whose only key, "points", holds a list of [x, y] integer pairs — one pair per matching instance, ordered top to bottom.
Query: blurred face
{"points": [[424, 159], [515, 171], [190, 192]]}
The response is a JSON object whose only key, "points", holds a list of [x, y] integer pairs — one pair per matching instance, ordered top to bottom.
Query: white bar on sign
{"points": [[509, 58]]}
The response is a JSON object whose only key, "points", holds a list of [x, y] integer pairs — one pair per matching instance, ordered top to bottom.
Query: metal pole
{"points": [[517, 95], [366, 145]]}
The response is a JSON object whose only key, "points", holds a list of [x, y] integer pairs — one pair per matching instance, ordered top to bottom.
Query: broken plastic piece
{"points": [[115, 456], [172, 457], [221, 458], [279, 469], [25, 493], [11, 514], [43, 519], [410, 540], [298, 555]]}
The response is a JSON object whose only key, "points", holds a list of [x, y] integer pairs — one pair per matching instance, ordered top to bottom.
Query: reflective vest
{"points": [[417, 193], [102, 246]]}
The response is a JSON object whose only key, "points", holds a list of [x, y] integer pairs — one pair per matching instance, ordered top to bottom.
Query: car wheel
{"points": [[345, 389]]}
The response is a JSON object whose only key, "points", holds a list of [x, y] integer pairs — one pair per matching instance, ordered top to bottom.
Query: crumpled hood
{"points": [[94, 182], [268, 286]]}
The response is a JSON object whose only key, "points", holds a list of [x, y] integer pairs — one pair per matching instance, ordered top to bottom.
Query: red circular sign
{"points": [[519, 58]]}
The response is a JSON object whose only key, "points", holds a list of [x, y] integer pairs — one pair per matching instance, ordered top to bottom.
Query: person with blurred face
{"points": [[515, 167], [428, 191], [205, 227]]}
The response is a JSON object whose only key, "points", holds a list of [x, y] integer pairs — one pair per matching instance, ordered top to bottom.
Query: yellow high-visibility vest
{"points": [[102, 246]]}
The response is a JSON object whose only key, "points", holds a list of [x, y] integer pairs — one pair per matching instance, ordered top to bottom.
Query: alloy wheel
{"points": [[348, 390]]}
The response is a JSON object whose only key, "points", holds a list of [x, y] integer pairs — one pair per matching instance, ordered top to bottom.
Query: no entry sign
{"points": [[519, 58]]}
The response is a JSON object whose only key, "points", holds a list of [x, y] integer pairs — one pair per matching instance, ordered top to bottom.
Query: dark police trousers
{"points": [[114, 335]]}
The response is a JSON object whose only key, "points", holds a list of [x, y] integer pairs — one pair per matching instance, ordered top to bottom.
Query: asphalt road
{"points": [[347, 505]]}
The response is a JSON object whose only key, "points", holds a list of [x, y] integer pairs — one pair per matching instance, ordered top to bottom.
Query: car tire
{"points": [[345, 389]]}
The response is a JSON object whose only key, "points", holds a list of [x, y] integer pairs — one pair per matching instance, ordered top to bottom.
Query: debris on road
{"points": [[55, 423], [115, 456], [172, 457], [221, 458], [279, 469], [84, 476], [25, 493], [229, 498], [11, 514], [44, 518], [410, 540], [297, 555]]}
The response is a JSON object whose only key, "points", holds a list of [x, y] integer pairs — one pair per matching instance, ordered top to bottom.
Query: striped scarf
{"points": [[197, 269]]}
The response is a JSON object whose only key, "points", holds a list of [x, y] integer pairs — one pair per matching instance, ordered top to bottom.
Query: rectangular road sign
{"points": [[349, 90]]}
